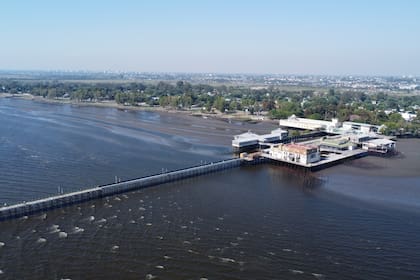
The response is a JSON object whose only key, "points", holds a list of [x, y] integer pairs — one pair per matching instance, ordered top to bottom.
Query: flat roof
{"points": [[361, 124], [246, 135], [249, 136], [381, 141], [299, 148]]}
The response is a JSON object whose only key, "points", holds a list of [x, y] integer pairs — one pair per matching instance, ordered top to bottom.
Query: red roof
{"points": [[298, 148]]}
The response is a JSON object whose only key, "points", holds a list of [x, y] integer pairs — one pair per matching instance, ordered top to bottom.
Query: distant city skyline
{"points": [[295, 37]]}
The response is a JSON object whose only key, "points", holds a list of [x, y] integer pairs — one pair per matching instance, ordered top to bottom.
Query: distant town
{"points": [[386, 84], [392, 103]]}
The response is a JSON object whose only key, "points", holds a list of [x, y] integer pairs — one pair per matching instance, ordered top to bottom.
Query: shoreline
{"points": [[158, 109], [198, 128]]}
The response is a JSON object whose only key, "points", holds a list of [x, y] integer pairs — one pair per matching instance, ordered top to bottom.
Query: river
{"points": [[358, 220]]}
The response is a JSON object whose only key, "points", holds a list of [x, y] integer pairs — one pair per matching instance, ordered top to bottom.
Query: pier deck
{"points": [[326, 160]]}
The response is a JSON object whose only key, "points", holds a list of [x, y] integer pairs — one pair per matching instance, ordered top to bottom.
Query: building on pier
{"points": [[309, 124], [332, 127], [360, 127], [249, 141], [336, 143], [379, 145], [298, 153]]}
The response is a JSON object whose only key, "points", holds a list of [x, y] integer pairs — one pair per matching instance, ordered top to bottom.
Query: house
{"points": [[408, 116]]}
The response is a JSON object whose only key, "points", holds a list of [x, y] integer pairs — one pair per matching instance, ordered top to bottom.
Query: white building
{"points": [[408, 116], [303, 123], [360, 127], [245, 140], [250, 140], [381, 145], [297, 153]]}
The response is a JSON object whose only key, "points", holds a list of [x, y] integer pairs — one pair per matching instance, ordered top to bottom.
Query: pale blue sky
{"points": [[261, 36]]}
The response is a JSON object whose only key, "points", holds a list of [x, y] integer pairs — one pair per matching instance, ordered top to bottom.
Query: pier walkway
{"points": [[57, 201], [27, 208]]}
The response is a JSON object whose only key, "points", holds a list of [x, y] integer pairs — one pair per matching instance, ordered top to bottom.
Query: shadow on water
{"points": [[363, 165], [295, 177]]}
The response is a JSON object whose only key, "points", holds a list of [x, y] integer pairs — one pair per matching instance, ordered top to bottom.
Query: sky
{"points": [[358, 37]]}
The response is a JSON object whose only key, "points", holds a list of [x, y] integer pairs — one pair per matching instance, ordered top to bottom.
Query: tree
{"points": [[219, 103], [268, 105], [381, 117], [395, 118]]}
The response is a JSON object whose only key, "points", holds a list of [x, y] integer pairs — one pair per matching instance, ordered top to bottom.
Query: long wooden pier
{"points": [[57, 201], [27, 208]]}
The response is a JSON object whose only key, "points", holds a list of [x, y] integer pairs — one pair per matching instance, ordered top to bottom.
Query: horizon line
{"points": [[87, 71]]}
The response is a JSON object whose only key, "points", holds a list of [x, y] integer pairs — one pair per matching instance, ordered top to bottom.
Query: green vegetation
{"points": [[270, 101]]}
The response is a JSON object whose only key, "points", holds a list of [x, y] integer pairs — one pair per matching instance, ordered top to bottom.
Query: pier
{"points": [[288, 158], [32, 207]]}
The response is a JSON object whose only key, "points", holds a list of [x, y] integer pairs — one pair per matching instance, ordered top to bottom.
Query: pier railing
{"points": [[31, 207]]}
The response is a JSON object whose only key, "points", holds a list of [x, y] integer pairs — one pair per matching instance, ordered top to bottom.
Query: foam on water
{"points": [[43, 216], [101, 221], [54, 229], [78, 230], [41, 240], [115, 248], [227, 260], [295, 271], [318, 275]]}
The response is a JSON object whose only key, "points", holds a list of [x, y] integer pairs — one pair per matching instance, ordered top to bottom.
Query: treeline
{"points": [[179, 95], [273, 102]]}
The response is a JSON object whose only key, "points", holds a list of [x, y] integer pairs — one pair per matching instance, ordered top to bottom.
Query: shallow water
{"points": [[47, 148], [391, 182], [259, 222]]}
